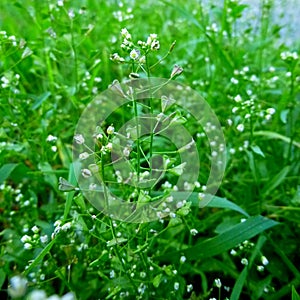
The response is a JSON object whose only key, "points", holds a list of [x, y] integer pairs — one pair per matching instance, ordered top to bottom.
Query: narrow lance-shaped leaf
{"points": [[226, 240]]}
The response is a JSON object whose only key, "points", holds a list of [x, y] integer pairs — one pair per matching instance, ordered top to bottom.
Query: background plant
{"points": [[55, 57]]}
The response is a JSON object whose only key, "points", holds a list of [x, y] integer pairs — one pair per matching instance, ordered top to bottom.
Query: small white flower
{"points": [[125, 34], [134, 54], [234, 80], [238, 98], [234, 110], [271, 110], [240, 127], [110, 129], [51, 138], [79, 139], [109, 146], [231, 150], [126, 152], [83, 155], [86, 173], [201, 196], [57, 223], [66, 226], [35, 229], [194, 231], [26, 239], [44, 239], [27, 246], [233, 252], [182, 259], [264, 260], [244, 261], [260, 268], [112, 274], [218, 282], [176, 286], [17, 287], [189, 288], [37, 295], [68, 296], [54, 297]]}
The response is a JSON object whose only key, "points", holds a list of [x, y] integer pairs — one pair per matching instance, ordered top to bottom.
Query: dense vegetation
{"points": [[223, 73]]}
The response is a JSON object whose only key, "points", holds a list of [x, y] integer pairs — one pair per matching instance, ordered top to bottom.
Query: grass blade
{"points": [[6, 170], [226, 240], [237, 289]]}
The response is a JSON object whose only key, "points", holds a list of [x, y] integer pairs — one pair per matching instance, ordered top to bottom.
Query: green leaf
{"points": [[39, 100], [275, 135], [257, 150], [6, 170], [73, 174], [49, 175], [276, 180], [215, 201], [224, 203], [226, 240], [116, 241], [39, 258], [2, 277], [157, 280], [238, 287], [295, 295]]}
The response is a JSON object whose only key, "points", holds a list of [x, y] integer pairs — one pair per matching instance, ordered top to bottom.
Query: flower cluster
{"points": [[137, 52], [30, 241]]}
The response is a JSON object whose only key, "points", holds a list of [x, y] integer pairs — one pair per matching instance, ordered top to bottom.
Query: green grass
{"points": [[55, 58]]}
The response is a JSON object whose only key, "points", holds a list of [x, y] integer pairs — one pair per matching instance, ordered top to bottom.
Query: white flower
{"points": [[125, 34], [134, 54], [234, 80], [238, 98], [234, 110], [271, 110], [240, 127], [110, 129], [51, 138], [79, 139], [83, 155], [86, 173], [66, 226], [35, 229], [194, 231], [25, 238], [44, 239], [27, 246], [233, 252], [182, 259], [264, 260], [244, 261], [260, 268], [112, 274], [218, 282], [176, 286], [17, 287], [189, 288], [37, 295], [68, 296], [54, 297]]}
